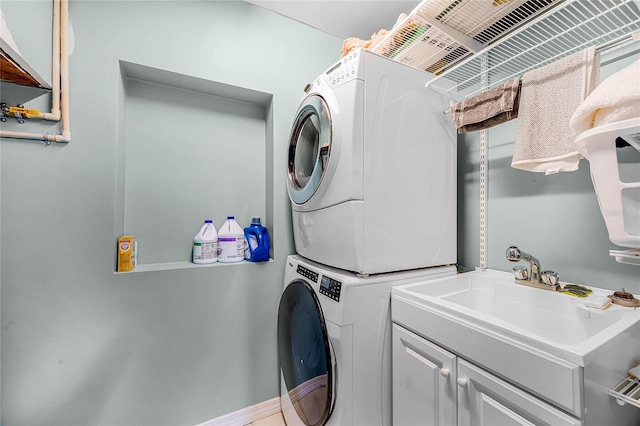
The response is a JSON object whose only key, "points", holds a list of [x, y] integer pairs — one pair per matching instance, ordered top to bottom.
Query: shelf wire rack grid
{"points": [[558, 32], [440, 33], [627, 391]]}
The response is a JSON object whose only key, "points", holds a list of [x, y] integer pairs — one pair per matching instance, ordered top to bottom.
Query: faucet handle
{"points": [[521, 273], [550, 277]]}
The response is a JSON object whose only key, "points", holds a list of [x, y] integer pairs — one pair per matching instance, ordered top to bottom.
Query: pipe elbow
{"points": [[49, 116], [65, 137]]}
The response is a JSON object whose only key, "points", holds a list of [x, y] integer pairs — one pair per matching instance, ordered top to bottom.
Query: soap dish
{"points": [[625, 299]]}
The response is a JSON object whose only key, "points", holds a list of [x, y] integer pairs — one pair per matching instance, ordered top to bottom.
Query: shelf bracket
{"points": [[469, 43]]}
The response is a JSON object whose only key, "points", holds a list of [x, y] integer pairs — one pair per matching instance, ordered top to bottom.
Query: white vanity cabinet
{"points": [[478, 349], [432, 386]]}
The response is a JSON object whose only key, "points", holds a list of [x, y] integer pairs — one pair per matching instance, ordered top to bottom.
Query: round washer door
{"points": [[309, 148], [307, 361]]}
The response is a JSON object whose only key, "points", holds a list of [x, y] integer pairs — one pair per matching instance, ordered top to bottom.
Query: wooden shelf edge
{"points": [[14, 69]]}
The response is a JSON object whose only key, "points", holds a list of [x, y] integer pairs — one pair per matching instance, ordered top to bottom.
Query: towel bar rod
{"points": [[560, 31], [557, 37], [619, 41], [601, 48]]}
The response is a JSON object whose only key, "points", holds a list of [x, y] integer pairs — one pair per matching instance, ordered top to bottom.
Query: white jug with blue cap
{"points": [[231, 242], [205, 244]]}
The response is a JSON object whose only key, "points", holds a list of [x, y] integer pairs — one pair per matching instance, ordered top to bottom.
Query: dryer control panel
{"points": [[345, 70], [330, 288]]}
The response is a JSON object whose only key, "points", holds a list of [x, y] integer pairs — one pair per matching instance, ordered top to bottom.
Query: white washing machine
{"points": [[372, 169], [334, 343]]}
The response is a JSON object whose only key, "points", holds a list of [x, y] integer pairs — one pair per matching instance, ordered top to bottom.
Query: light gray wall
{"points": [[555, 218], [80, 344]]}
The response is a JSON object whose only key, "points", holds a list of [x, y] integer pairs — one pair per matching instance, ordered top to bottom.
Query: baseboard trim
{"points": [[247, 415]]}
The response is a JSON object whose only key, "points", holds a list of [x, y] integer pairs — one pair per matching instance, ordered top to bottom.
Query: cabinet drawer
{"points": [[484, 399]]}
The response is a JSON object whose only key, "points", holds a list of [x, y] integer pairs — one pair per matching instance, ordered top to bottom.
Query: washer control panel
{"points": [[307, 273], [330, 288]]}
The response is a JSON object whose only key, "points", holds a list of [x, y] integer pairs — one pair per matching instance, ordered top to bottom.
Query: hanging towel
{"points": [[549, 96], [617, 98], [487, 109]]}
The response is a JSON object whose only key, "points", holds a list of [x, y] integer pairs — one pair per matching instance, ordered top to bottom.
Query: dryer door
{"points": [[309, 148], [307, 361]]}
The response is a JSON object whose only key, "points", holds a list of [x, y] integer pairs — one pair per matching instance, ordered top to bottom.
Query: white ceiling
{"points": [[355, 18]]}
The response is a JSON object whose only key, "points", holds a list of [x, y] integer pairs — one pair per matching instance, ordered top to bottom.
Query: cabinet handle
{"points": [[444, 372], [462, 382]]}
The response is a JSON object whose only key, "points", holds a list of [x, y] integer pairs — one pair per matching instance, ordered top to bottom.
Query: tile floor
{"points": [[274, 420]]}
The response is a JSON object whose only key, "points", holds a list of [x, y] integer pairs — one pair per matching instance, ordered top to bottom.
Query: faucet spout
{"points": [[514, 254], [547, 280]]}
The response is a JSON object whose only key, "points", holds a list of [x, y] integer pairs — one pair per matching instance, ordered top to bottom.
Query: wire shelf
{"points": [[558, 32], [439, 33], [630, 257], [627, 391]]}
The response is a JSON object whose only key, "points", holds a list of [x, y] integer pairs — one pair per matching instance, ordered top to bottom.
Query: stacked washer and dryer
{"points": [[372, 183]]}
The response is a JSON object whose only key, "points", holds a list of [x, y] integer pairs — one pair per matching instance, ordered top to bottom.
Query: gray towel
{"points": [[548, 99], [488, 108]]}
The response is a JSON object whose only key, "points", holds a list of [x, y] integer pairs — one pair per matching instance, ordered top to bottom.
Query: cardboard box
{"points": [[127, 253]]}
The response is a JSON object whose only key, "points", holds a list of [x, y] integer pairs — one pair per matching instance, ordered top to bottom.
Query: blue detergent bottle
{"points": [[257, 238]]}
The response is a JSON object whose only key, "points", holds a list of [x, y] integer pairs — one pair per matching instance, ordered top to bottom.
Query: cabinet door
{"points": [[424, 390], [485, 400]]}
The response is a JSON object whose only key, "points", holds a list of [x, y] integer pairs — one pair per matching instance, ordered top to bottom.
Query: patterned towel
{"points": [[549, 97]]}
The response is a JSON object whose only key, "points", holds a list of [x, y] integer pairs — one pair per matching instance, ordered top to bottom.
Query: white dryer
{"points": [[372, 169], [334, 343]]}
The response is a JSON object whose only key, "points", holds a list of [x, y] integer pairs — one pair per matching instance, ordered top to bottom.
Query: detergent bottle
{"points": [[257, 238], [231, 242], [205, 244]]}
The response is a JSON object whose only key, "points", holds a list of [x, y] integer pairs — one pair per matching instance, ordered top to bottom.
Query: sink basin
{"points": [[551, 321], [549, 343]]}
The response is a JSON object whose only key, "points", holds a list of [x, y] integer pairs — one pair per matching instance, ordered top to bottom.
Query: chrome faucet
{"points": [[548, 280]]}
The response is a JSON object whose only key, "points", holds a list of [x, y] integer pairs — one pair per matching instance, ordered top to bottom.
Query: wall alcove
{"points": [[188, 149]]}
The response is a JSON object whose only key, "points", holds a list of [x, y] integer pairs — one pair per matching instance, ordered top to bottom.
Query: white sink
{"points": [[551, 321], [545, 342]]}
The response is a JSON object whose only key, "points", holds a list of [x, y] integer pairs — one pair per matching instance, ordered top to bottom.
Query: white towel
{"points": [[549, 96], [617, 98]]}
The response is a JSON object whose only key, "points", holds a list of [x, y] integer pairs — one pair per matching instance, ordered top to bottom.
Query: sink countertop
{"points": [[553, 322]]}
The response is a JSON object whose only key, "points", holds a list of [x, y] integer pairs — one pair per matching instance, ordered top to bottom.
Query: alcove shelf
{"points": [[169, 266]]}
